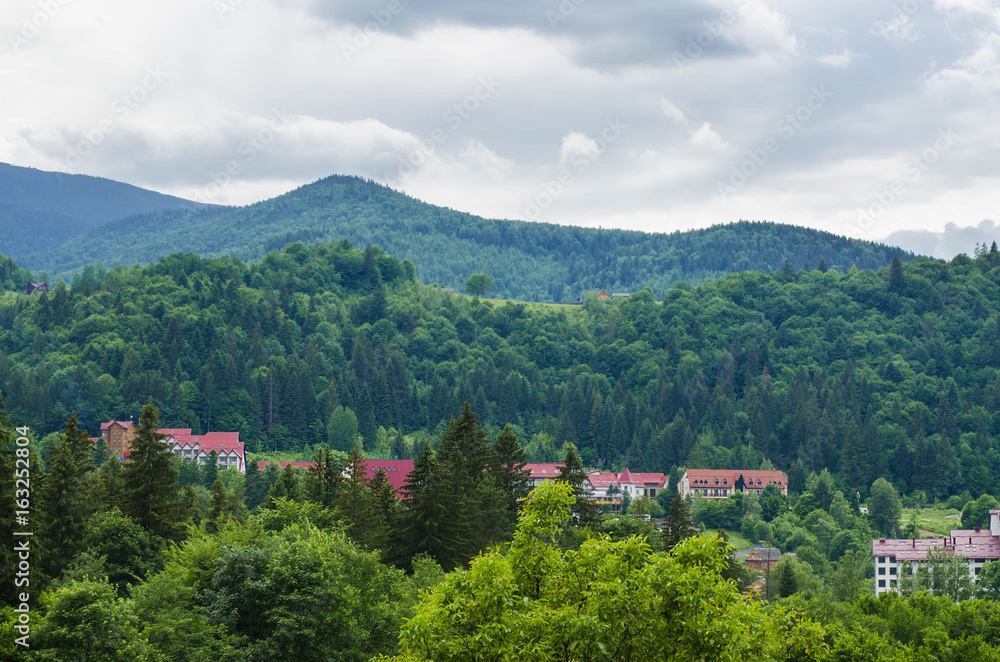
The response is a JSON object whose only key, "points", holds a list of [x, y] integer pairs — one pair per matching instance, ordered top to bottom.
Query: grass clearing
{"points": [[937, 520]]}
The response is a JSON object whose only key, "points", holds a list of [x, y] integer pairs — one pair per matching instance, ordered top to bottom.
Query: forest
{"points": [[527, 261], [874, 387]]}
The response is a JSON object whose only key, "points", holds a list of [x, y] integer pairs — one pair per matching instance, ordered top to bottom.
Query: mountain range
{"points": [[58, 224]]}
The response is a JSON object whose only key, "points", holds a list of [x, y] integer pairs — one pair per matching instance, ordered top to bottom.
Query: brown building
{"points": [[118, 436]]}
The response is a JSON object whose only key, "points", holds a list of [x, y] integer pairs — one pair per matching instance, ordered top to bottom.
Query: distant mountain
{"points": [[40, 210], [948, 243], [528, 261]]}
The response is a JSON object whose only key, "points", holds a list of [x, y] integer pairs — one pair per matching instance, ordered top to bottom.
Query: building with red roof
{"points": [[119, 435], [227, 446], [396, 470], [542, 471], [723, 483], [610, 487], [977, 546]]}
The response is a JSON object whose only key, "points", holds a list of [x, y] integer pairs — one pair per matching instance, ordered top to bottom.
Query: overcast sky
{"points": [[861, 117]]}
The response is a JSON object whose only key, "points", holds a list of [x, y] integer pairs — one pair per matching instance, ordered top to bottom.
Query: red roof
{"points": [[124, 424], [395, 470], [543, 470], [627, 477], [728, 477], [910, 549]]}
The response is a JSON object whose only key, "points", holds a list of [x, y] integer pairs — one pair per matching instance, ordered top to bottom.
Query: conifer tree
{"points": [[896, 282], [462, 459], [507, 465], [572, 473], [324, 478], [150, 479], [286, 487], [64, 499], [356, 503], [220, 507], [677, 525], [420, 530], [8, 558]]}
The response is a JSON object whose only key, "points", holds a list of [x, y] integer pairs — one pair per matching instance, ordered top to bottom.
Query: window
{"points": [[892, 570], [881, 571], [881, 583]]}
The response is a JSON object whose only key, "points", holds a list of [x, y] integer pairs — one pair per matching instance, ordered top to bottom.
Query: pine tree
{"points": [[896, 281], [462, 459], [507, 465], [572, 473], [324, 478], [150, 479], [256, 487], [286, 487], [64, 499], [356, 504], [220, 507], [677, 526], [420, 530], [8, 558]]}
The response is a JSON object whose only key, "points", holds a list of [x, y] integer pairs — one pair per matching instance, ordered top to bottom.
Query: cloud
{"points": [[842, 59], [672, 111], [706, 137]]}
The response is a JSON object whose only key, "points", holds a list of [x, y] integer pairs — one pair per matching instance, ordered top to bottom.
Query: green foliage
{"points": [[530, 261], [478, 285], [150, 480], [884, 508], [977, 513], [609, 600], [86, 620]]}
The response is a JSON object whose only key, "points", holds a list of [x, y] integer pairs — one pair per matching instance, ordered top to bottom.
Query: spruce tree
{"points": [[896, 282], [462, 459], [507, 466], [572, 473], [324, 478], [150, 479], [286, 487], [64, 499], [356, 504], [220, 508], [677, 525], [421, 530], [8, 557]]}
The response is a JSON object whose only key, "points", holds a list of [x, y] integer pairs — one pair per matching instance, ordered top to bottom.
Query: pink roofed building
{"points": [[119, 435], [227, 445], [396, 470], [542, 471], [723, 483], [610, 487], [977, 546]]}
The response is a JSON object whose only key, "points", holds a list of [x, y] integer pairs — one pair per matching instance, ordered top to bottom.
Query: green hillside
{"points": [[40, 210], [527, 261], [867, 373]]}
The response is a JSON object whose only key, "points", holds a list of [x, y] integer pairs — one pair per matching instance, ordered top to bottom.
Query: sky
{"points": [[861, 117]]}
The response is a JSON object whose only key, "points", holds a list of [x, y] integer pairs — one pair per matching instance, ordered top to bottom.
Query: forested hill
{"points": [[40, 210], [527, 261], [891, 373]]}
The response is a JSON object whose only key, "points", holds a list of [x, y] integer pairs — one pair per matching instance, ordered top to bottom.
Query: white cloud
{"points": [[838, 60], [420, 76], [672, 111], [708, 138]]}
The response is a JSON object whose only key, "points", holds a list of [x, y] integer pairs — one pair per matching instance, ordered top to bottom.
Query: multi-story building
{"points": [[118, 436], [227, 446], [723, 483], [977, 546]]}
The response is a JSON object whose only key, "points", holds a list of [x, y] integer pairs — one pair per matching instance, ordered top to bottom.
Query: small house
{"points": [[36, 286]]}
